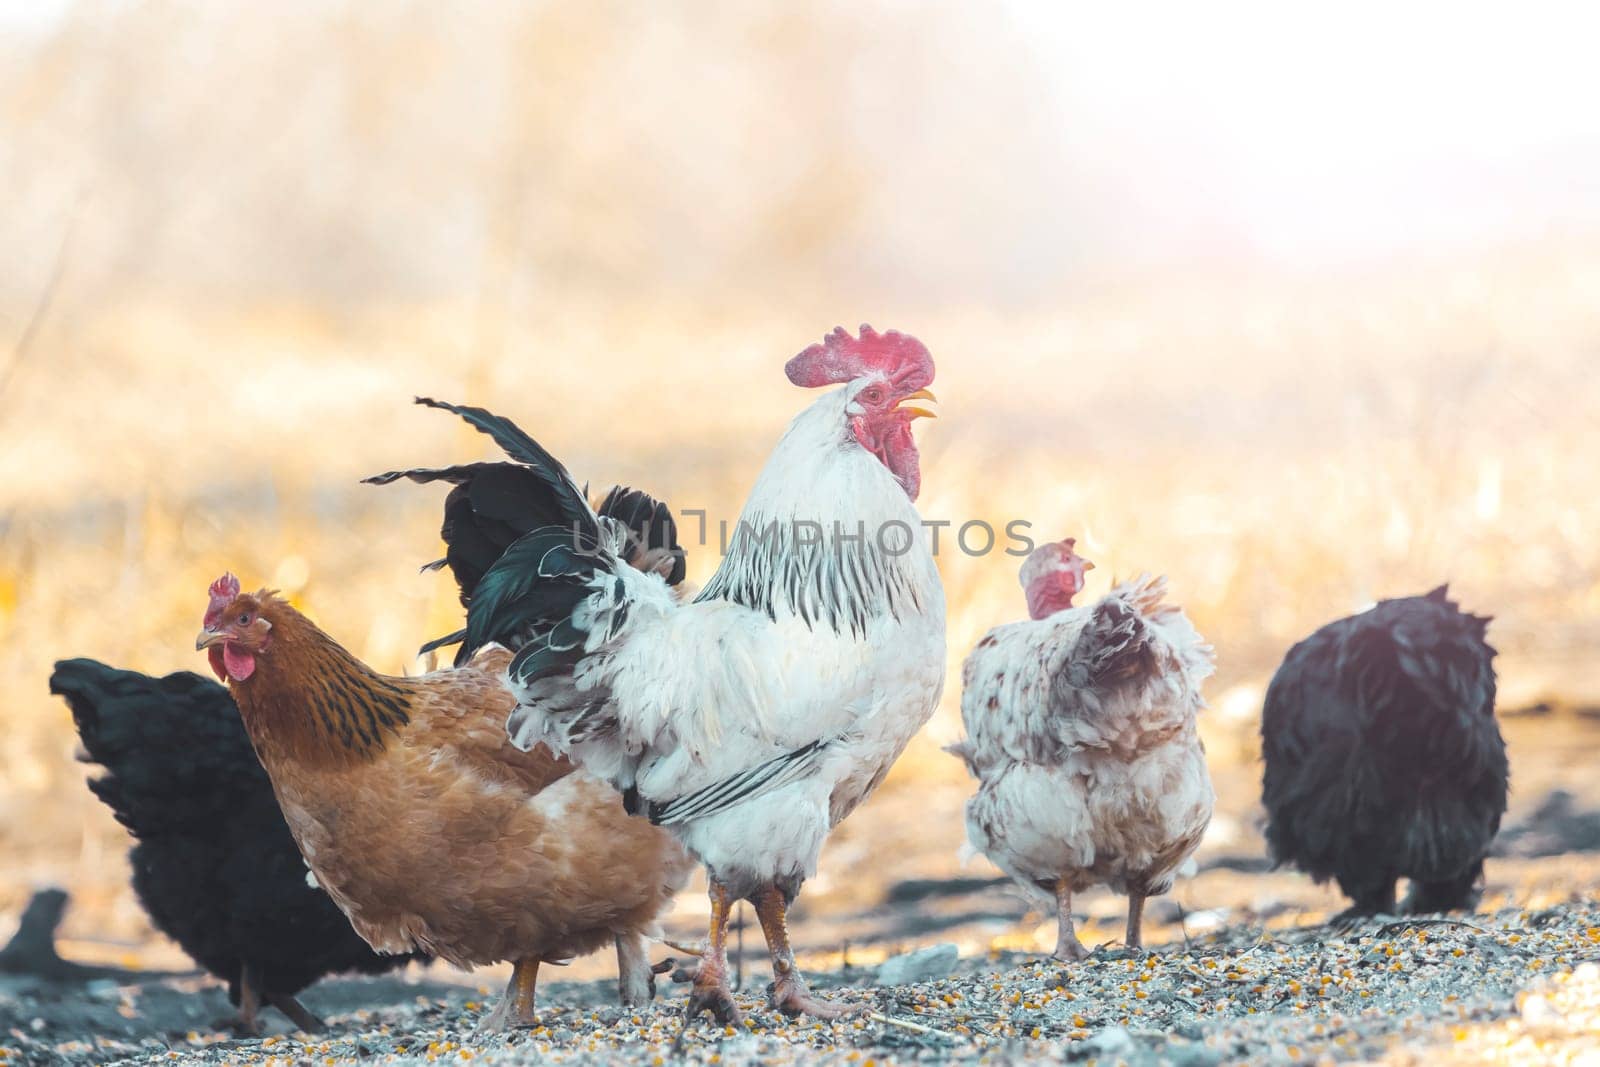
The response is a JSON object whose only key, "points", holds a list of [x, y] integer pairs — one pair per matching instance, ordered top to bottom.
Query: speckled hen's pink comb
{"points": [[901, 358], [223, 591]]}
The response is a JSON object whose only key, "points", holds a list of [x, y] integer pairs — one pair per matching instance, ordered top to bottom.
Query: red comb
{"points": [[901, 358], [223, 590]]}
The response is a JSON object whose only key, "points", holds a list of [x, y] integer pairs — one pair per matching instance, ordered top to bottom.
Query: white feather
{"points": [[705, 690], [1097, 784]]}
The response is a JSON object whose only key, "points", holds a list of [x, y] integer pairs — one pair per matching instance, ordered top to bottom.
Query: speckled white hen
{"points": [[1081, 732]]}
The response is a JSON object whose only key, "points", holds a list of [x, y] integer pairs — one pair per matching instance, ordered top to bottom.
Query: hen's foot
{"points": [[1352, 918], [1070, 950], [1118, 952], [666, 966], [636, 977], [515, 1010], [297, 1013], [507, 1015], [503, 1018], [248, 1022], [238, 1026]]}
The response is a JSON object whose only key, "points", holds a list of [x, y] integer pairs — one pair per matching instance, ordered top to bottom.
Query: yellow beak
{"points": [[917, 411]]}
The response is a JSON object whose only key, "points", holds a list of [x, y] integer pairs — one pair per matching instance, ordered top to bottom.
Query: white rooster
{"points": [[755, 717], [1081, 732]]}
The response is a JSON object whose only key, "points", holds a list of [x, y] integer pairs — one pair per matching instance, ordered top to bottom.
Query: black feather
{"points": [[650, 525], [520, 538], [518, 595], [1383, 758], [724, 794], [213, 863]]}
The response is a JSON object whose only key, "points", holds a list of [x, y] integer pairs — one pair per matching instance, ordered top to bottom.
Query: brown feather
{"points": [[427, 826]]}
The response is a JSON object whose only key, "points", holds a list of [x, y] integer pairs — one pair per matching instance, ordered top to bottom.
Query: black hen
{"points": [[493, 505], [1383, 756], [214, 865]]}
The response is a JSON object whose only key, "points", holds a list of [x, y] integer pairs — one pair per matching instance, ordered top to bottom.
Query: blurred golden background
{"points": [[1300, 309]]}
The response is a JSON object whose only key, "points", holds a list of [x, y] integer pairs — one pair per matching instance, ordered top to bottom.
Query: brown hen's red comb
{"points": [[901, 358], [223, 591]]}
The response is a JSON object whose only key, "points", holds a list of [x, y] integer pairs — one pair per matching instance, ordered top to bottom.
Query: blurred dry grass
{"points": [[210, 386], [1283, 465]]}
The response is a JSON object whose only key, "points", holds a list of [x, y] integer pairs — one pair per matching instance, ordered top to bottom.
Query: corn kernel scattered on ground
{"points": [[1513, 987]]}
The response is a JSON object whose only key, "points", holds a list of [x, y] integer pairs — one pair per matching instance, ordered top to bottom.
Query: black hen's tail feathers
{"points": [[160, 740]]}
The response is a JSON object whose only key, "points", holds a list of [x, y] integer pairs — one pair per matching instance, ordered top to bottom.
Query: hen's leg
{"points": [[1369, 895], [1447, 895], [1135, 935], [1068, 947], [636, 980], [710, 992], [789, 993], [516, 1006], [296, 1012], [247, 1023]]}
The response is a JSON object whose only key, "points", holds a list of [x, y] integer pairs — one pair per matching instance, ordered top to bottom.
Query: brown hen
{"points": [[427, 827]]}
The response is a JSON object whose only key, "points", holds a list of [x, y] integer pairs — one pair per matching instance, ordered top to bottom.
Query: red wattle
{"points": [[901, 457], [240, 664]]}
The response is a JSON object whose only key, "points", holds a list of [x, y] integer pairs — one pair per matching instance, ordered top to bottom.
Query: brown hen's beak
{"points": [[917, 411], [1088, 566], [208, 638]]}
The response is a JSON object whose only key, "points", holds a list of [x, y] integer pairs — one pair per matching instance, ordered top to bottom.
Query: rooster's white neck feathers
{"points": [[827, 535]]}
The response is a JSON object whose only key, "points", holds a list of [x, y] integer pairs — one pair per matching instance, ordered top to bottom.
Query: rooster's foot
{"points": [[793, 998], [714, 999]]}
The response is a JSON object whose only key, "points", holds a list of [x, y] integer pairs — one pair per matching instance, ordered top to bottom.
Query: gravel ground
{"points": [[1516, 987]]}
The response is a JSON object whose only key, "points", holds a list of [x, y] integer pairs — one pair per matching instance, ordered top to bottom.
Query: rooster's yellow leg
{"points": [[710, 991], [789, 992]]}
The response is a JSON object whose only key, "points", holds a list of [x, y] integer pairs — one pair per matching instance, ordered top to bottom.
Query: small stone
{"points": [[924, 965], [1536, 1010], [1111, 1042], [1192, 1054]]}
